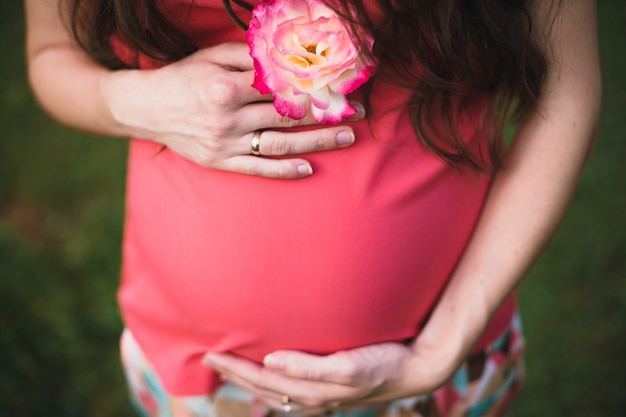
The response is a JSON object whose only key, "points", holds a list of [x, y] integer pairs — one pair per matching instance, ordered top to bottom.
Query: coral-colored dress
{"points": [[356, 254]]}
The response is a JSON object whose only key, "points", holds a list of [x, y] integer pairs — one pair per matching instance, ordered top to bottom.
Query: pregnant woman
{"points": [[373, 277]]}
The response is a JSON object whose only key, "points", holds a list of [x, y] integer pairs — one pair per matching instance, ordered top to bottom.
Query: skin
{"points": [[202, 107], [205, 110], [526, 202]]}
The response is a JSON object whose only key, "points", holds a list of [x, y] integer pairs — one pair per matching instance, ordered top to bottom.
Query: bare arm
{"points": [[66, 82], [202, 107], [533, 189], [526, 202]]}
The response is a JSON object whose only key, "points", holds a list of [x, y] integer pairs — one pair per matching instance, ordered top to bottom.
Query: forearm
{"points": [[67, 83], [69, 86], [530, 192], [526, 202]]}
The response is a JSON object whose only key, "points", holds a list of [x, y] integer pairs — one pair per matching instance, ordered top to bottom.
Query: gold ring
{"points": [[255, 145], [286, 407]]}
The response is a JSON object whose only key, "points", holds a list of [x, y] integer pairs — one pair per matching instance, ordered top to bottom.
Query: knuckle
{"points": [[222, 91], [220, 124], [321, 141], [216, 146], [277, 146], [213, 147], [208, 153], [206, 160], [251, 169], [284, 174]]}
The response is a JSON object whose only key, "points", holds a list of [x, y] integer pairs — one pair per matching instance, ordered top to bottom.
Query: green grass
{"points": [[61, 205]]}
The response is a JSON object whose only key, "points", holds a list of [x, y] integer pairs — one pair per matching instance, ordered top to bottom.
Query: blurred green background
{"points": [[61, 206]]}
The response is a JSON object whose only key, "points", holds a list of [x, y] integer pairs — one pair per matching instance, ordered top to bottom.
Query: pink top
{"points": [[355, 254]]}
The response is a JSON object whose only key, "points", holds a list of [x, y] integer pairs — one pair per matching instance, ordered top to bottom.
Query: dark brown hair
{"points": [[466, 51]]}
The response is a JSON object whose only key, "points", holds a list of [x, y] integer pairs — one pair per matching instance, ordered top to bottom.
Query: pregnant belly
{"points": [[249, 265]]}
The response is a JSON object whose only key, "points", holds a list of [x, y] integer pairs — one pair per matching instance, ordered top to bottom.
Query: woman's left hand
{"points": [[314, 384]]}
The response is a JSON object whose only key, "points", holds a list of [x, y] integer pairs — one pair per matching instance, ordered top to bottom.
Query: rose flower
{"points": [[307, 57]]}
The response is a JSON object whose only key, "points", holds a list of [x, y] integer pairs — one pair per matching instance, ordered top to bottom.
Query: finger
{"points": [[235, 55], [262, 115], [275, 143], [269, 168], [336, 369], [248, 375], [269, 384], [270, 388], [275, 402]]}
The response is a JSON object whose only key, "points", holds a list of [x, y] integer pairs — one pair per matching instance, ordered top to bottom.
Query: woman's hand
{"points": [[204, 108], [315, 384]]}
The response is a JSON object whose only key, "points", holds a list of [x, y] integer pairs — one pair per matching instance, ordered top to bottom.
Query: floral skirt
{"points": [[483, 386]]}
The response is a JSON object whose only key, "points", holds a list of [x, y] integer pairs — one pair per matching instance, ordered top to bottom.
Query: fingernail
{"points": [[345, 138], [304, 169], [274, 361]]}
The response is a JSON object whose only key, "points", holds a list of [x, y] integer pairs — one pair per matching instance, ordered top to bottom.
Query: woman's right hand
{"points": [[204, 108]]}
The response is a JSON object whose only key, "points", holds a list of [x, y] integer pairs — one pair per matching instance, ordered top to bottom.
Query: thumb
{"points": [[332, 368]]}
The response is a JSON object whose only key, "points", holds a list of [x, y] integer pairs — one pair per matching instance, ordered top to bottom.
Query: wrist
{"points": [[118, 91], [451, 332]]}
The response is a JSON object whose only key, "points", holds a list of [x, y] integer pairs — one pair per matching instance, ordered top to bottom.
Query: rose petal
{"points": [[350, 81], [295, 106], [339, 108]]}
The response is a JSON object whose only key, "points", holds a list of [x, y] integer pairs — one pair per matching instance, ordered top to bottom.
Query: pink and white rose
{"points": [[306, 56]]}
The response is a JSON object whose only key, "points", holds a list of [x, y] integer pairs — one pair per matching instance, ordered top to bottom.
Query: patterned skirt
{"points": [[483, 386]]}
